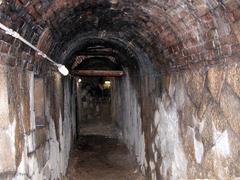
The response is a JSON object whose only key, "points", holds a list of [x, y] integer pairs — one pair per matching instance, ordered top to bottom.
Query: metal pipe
{"points": [[16, 35], [98, 73]]}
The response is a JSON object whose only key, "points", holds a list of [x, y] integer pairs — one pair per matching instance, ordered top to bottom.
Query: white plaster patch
{"points": [[180, 93], [31, 103], [4, 107], [156, 118], [132, 124], [169, 142], [221, 142], [198, 145], [199, 150], [7, 151], [155, 156], [54, 161], [57, 162], [153, 172]]}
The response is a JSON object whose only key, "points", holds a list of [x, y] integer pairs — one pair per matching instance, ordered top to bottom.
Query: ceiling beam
{"points": [[97, 73]]}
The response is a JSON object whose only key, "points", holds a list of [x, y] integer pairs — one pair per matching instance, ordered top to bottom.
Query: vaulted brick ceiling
{"points": [[172, 34]]}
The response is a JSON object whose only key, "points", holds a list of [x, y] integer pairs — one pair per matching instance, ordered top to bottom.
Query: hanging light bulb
{"points": [[62, 69], [79, 80], [107, 84]]}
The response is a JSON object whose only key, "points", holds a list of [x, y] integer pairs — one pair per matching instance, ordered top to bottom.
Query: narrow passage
{"points": [[98, 157]]}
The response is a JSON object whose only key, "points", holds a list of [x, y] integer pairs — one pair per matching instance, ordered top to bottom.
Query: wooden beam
{"points": [[98, 73]]}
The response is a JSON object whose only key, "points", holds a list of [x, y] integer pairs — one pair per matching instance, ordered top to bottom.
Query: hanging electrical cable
{"points": [[61, 68]]}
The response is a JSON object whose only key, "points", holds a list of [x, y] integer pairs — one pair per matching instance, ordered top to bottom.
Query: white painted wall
{"points": [[127, 113], [56, 152]]}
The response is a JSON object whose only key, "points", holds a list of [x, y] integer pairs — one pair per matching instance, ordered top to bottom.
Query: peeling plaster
{"points": [[132, 124], [7, 141], [221, 142], [198, 145], [199, 150], [56, 157], [173, 157], [152, 166]]}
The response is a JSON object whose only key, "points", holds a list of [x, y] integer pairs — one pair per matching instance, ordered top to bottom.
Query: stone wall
{"points": [[126, 113], [189, 118], [197, 123], [194, 130], [29, 149]]}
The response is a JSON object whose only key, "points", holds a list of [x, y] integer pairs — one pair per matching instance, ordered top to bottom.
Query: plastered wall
{"points": [[189, 131], [30, 150]]}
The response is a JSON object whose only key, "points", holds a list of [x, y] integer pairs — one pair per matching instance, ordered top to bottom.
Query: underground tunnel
{"points": [[117, 89]]}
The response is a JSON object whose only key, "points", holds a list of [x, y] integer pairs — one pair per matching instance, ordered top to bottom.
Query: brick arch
{"points": [[185, 33]]}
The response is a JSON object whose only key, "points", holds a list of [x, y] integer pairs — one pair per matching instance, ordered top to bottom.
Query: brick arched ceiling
{"points": [[173, 34], [98, 63]]}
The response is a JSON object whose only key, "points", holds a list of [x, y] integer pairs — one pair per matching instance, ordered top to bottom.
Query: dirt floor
{"points": [[104, 128], [98, 157]]}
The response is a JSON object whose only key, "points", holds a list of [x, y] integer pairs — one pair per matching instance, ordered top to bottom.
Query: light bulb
{"points": [[63, 70], [79, 80], [107, 82]]}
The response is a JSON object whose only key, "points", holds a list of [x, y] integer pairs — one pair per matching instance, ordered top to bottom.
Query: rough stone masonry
{"points": [[177, 108]]}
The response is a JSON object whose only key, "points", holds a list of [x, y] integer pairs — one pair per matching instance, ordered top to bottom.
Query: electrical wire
{"points": [[62, 69]]}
